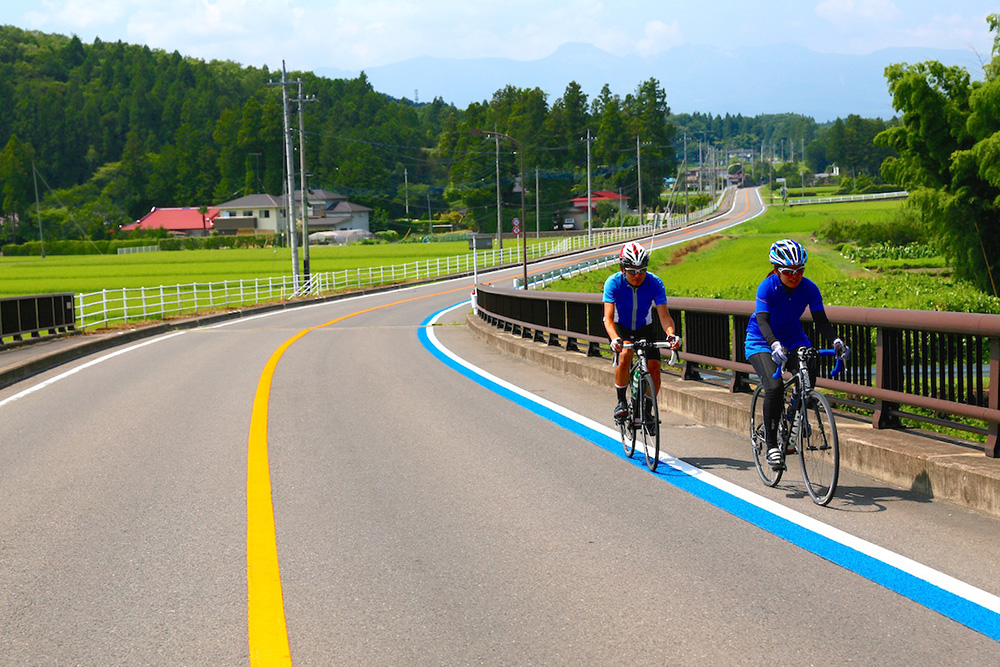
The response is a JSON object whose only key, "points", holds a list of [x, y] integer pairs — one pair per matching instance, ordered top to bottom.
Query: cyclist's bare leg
{"points": [[654, 370], [621, 371]]}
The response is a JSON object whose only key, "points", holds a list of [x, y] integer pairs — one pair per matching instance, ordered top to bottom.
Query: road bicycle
{"points": [[643, 419], [806, 426]]}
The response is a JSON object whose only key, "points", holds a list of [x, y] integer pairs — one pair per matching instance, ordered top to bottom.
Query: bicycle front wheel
{"points": [[650, 416], [627, 427], [758, 446], [819, 449]]}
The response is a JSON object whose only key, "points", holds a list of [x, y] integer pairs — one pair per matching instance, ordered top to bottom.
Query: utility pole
{"points": [[496, 136], [714, 161], [701, 168], [638, 173], [290, 176], [302, 181], [406, 181], [687, 202], [589, 205], [38, 210], [538, 218], [523, 233]]}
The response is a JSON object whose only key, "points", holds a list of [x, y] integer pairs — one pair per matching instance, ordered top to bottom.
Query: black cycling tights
{"points": [[774, 393]]}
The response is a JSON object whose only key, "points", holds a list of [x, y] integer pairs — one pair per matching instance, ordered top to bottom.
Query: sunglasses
{"points": [[792, 270], [635, 272]]}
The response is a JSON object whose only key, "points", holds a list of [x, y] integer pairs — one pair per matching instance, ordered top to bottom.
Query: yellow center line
{"points": [[268, 632]]}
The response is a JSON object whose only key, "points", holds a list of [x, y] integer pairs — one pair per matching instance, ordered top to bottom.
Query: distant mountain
{"points": [[748, 80]]}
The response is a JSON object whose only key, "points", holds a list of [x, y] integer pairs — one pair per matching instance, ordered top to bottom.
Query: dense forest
{"points": [[102, 132]]}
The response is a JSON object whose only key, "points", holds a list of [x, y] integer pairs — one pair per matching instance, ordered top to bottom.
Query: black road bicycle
{"points": [[643, 419], [806, 426]]}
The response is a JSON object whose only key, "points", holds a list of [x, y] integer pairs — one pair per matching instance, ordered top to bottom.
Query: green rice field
{"points": [[92, 273]]}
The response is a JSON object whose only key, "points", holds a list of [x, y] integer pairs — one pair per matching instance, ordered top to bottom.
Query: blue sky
{"points": [[359, 34]]}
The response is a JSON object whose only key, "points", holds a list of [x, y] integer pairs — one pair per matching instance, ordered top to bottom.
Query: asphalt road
{"points": [[419, 517]]}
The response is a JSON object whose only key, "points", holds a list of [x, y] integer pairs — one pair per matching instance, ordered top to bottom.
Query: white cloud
{"points": [[846, 12], [79, 14], [362, 34], [659, 37]]}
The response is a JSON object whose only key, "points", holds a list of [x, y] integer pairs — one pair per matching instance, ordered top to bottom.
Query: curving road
{"points": [[331, 485]]}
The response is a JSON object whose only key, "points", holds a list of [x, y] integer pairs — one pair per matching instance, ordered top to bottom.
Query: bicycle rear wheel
{"points": [[650, 415], [758, 446], [819, 449]]}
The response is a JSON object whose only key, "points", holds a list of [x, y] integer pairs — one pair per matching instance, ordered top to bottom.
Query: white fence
{"points": [[847, 198], [662, 223], [135, 304]]}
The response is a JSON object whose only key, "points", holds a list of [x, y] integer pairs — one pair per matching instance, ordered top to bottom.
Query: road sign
{"points": [[517, 227]]}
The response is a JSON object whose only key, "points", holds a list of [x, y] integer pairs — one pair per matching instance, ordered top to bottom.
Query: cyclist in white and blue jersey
{"points": [[630, 298], [775, 331]]}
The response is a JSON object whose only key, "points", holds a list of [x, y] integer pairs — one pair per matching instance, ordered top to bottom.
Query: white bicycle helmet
{"points": [[787, 253], [633, 255]]}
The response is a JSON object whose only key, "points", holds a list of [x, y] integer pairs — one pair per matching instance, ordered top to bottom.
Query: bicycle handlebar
{"points": [[647, 344], [837, 367]]}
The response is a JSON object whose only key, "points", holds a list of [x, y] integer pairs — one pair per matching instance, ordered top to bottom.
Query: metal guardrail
{"points": [[34, 315], [944, 363]]}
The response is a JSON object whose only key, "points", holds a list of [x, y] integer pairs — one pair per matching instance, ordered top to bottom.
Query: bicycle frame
{"points": [[802, 379]]}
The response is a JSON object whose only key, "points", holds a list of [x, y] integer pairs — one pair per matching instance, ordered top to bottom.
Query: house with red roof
{"points": [[600, 197], [575, 217], [177, 221]]}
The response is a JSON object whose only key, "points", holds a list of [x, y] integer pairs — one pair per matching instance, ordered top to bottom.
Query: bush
{"points": [[903, 228], [104, 247], [884, 251]]}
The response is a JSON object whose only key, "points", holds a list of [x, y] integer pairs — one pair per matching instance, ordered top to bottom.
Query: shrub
{"points": [[903, 228]]}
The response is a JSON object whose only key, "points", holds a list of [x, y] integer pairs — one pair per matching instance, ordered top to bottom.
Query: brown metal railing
{"points": [[35, 315], [942, 363]]}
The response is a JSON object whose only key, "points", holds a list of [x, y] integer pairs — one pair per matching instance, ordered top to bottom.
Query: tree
{"points": [[648, 111], [612, 142], [948, 146], [18, 184]]}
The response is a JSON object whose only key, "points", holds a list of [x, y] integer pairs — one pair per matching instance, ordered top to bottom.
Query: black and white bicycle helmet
{"points": [[787, 253], [633, 256]]}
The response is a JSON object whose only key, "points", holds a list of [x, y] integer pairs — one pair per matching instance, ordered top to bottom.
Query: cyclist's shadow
{"points": [[709, 463], [848, 498], [871, 498]]}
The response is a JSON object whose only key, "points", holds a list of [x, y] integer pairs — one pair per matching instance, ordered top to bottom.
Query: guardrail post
{"points": [[888, 374], [740, 384], [994, 398]]}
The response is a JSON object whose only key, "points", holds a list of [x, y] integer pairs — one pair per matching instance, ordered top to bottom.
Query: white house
{"points": [[329, 211], [252, 214], [265, 214]]}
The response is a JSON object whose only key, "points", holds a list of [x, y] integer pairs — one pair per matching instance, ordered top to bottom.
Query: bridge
{"points": [[362, 480]]}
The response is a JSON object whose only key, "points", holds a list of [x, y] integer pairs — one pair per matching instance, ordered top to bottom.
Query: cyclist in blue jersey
{"points": [[630, 297], [775, 331]]}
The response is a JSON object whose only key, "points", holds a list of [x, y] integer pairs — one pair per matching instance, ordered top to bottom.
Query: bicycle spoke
{"points": [[650, 423], [820, 450]]}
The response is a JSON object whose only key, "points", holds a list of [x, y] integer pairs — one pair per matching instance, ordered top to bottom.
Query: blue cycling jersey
{"points": [[634, 305], [785, 309]]}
